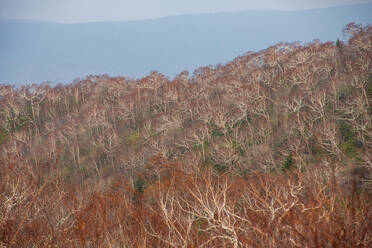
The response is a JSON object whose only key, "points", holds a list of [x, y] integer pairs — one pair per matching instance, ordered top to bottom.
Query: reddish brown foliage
{"points": [[270, 150]]}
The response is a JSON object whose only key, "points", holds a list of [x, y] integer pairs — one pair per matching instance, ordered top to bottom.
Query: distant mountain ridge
{"points": [[33, 52]]}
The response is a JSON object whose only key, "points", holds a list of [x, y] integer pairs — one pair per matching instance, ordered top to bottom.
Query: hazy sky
{"points": [[70, 11]]}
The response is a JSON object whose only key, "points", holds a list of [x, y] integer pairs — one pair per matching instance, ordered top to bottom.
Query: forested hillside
{"points": [[270, 150]]}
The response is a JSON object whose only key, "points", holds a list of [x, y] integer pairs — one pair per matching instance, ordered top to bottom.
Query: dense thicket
{"points": [[270, 150]]}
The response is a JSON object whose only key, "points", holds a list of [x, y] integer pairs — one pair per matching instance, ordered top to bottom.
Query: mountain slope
{"points": [[37, 52], [272, 149]]}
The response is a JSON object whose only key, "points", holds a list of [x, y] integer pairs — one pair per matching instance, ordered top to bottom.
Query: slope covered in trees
{"points": [[270, 150]]}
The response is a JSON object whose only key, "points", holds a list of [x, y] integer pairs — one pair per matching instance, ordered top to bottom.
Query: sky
{"points": [[77, 11]]}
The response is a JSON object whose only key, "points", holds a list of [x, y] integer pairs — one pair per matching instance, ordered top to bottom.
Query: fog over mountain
{"points": [[34, 52]]}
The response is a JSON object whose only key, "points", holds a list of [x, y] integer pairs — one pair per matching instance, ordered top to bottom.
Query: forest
{"points": [[273, 149]]}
